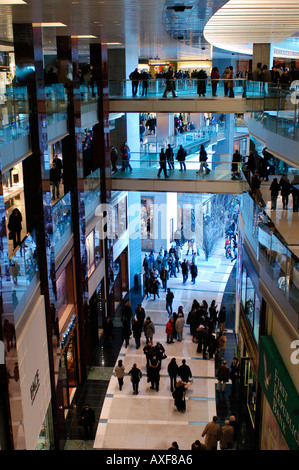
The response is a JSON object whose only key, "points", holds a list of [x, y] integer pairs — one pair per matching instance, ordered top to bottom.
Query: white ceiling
{"points": [[239, 23], [148, 24]]}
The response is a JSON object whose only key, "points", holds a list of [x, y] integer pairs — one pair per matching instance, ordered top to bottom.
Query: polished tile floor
{"points": [[150, 420]]}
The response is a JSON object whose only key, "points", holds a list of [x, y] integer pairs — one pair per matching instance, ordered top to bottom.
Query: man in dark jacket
{"points": [[135, 77], [170, 83], [181, 156], [169, 157], [162, 163], [184, 372], [222, 376], [87, 421]]}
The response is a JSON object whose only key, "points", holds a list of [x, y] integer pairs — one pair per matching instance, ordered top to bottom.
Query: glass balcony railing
{"points": [[183, 88], [56, 103], [14, 114], [146, 166], [92, 191], [62, 222], [274, 255], [24, 273]]}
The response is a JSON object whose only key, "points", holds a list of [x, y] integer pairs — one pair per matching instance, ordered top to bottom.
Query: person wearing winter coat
{"points": [[215, 76], [201, 82], [181, 157], [274, 188], [285, 190], [15, 226], [193, 272], [179, 326], [148, 329], [137, 330], [169, 331], [172, 370], [119, 372], [185, 372], [154, 373], [223, 374], [136, 375], [179, 395], [212, 433]]}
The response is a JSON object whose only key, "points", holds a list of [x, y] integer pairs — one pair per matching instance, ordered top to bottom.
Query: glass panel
{"points": [[56, 103], [14, 114], [62, 220], [24, 273], [249, 304]]}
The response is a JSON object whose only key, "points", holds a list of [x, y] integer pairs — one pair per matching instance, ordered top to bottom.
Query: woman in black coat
{"points": [[15, 226], [172, 370], [179, 396]]}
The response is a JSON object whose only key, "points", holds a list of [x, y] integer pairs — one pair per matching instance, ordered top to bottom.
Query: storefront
{"points": [[251, 306], [280, 400]]}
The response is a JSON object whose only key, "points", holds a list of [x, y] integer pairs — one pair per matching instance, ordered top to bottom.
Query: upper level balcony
{"points": [[198, 96], [141, 173]]}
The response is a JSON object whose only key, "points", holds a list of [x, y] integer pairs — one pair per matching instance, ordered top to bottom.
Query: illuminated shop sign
{"points": [[279, 390]]}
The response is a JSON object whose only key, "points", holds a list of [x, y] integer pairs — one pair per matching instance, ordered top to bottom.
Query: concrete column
{"points": [[262, 53], [165, 126]]}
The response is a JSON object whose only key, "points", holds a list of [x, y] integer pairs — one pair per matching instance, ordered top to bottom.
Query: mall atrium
{"points": [[101, 222]]}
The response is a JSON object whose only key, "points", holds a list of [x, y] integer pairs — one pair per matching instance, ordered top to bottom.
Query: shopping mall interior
{"points": [[149, 197]]}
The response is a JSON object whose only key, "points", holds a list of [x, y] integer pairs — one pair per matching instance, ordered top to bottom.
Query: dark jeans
{"points": [[182, 166]]}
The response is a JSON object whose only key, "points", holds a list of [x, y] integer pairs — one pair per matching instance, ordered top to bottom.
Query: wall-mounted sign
{"points": [[279, 390]]}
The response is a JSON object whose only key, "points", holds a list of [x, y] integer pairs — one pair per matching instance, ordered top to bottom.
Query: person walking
{"points": [[215, 76], [135, 77], [145, 78], [225, 81], [201, 82], [230, 82], [170, 83], [125, 156], [169, 157], [181, 157], [113, 158], [202, 160], [162, 164], [55, 177], [285, 190], [15, 227], [185, 270], [193, 272], [164, 277], [169, 301], [140, 314], [222, 318], [179, 326], [126, 329], [149, 329], [137, 330], [169, 331], [221, 341], [172, 370], [119, 372], [185, 372], [154, 373], [234, 373], [136, 376], [222, 376], [179, 395], [87, 420], [235, 425], [212, 433], [226, 436]]}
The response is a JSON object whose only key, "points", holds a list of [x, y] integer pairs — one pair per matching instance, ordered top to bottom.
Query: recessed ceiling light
{"points": [[12, 2], [48, 25], [83, 36], [112, 43]]}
